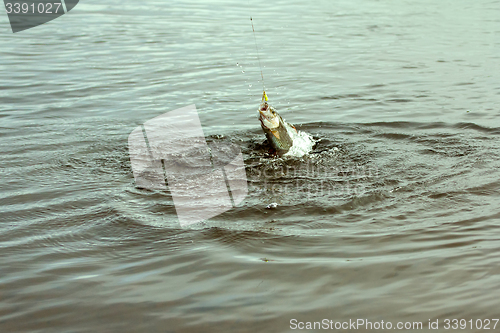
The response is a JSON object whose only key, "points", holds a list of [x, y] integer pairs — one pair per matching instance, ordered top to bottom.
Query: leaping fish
{"points": [[279, 133]]}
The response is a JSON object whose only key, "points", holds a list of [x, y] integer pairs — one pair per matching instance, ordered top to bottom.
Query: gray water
{"points": [[393, 216]]}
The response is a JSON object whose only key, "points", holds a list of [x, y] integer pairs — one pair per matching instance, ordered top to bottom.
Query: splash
{"points": [[303, 143]]}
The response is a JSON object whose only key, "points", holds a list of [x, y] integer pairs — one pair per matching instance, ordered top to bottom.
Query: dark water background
{"points": [[394, 216]]}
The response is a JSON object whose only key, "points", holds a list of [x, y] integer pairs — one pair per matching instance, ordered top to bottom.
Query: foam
{"points": [[302, 143]]}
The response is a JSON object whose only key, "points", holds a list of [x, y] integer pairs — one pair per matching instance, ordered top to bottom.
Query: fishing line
{"points": [[258, 57]]}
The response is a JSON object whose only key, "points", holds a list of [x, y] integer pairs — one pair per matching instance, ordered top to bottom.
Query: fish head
{"points": [[268, 117]]}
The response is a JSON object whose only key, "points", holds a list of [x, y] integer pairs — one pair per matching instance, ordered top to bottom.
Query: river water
{"points": [[392, 217]]}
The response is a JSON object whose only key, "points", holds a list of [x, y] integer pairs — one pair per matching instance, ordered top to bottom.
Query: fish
{"points": [[279, 133]]}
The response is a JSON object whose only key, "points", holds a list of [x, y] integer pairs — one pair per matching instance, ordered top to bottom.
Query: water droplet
{"points": [[237, 64], [243, 71], [250, 86]]}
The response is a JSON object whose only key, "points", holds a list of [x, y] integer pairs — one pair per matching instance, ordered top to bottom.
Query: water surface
{"points": [[393, 216]]}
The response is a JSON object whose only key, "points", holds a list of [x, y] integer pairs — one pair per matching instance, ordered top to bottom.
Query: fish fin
{"points": [[276, 134]]}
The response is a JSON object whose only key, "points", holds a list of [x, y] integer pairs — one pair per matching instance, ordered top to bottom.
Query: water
{"points": [[303, 143], [392, 217]]}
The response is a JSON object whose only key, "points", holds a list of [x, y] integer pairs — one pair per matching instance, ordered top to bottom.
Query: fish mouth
{"points": [[264, 111], [265, 114], [267, 118]]}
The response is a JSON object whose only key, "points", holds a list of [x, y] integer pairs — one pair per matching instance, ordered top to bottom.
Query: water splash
{"points": [[303, 143]]}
